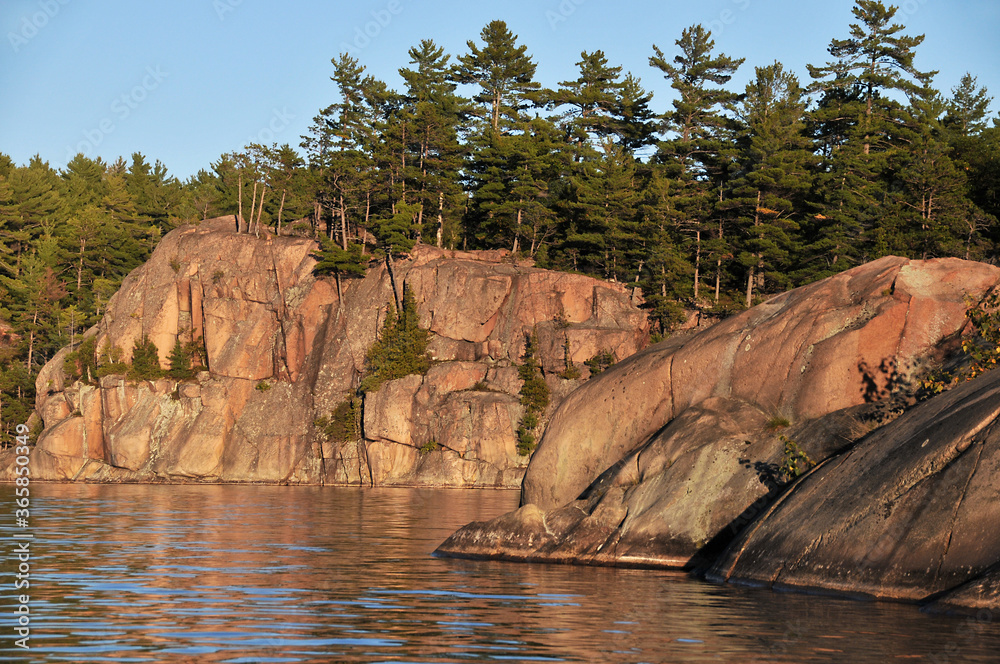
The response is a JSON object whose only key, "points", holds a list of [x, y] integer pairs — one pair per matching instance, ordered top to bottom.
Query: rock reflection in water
{"points": [[309, 574]]}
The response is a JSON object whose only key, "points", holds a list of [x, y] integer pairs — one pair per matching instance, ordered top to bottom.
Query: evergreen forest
{"points": [[712, 201]]}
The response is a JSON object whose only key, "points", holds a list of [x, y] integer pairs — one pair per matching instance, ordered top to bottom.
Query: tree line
{"points": [[712, 202]]}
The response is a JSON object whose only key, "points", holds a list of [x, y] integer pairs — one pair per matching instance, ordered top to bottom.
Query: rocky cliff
{"points": [[283, 350], [686, 454]]}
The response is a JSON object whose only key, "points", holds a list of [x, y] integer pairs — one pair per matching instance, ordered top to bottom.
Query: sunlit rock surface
{"points": [[283, 350], [667, 457]]}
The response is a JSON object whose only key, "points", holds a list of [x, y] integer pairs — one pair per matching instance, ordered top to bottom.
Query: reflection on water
{"points": [[309, 574]]}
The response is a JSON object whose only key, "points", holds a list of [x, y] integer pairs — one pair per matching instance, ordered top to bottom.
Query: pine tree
{"points": [[876, 60], [869, 67], [505, 75], [592, 100], [968, 107], [438, 117], [635, 121], [341, 146], [695, 153], [776, 167], [510, 177], [83, 181], [290, 182], [155, 194], [202, 196], [38, 202], [932, 207], [80, 234], [394, 236], [604, 236], [125, 240], [332, 259], [665, 271], [34, 303], [401, 347], [145, 360], [180, 362], [534, 395], [17, 396]]}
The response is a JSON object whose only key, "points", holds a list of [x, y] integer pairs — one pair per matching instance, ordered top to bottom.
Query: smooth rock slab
{"points": [[840, 342], [664, 458], [673, 503], [909, 512], [980, 597]]}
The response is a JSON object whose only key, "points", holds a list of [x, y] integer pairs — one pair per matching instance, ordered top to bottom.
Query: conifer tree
{"points": [[876, 60], [872, 65], [505, 74], [591, 102], [968, 108], [438, 117], [635, 121], [699, 131], [341, 145], [776, 167], [510, 177], [83, 181], [37, 193], [154, 193], [931, 202], [604, 233], [394, 235], [332, 259], [665, 271], [34, 306], [401, 347], [145, 360], [180, 362], [17, 396]]}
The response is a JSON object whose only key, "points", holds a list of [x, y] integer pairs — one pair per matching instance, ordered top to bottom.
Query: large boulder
{"points": [[843, 341], [284, 350], [664, 458], [909, 512]]}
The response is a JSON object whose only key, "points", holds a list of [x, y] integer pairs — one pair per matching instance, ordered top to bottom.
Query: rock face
{"points": [[840, 342], [283, 350], [666, 457], [909, 512], [981, 597]]}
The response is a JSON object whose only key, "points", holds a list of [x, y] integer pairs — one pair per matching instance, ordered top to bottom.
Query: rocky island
{"points": [[282, 351], [785, 446]]}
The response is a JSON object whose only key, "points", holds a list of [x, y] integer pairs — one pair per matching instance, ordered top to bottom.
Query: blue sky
{"points": [[187, 80]]}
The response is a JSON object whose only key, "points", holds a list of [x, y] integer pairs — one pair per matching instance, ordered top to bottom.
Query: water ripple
{"points": [[303, 574]]}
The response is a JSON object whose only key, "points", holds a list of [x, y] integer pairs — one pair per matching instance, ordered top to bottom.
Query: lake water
{"points": [[309, 574]]}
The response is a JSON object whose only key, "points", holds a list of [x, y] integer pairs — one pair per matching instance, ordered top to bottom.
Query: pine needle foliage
{"points": [[401, 347], [145, 361], [180, 362], [81, 364], [534, 396], [344, 423]]}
